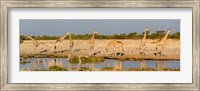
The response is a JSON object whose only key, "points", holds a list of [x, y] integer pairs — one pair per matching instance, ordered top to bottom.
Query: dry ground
{"points": [[172, 49]]}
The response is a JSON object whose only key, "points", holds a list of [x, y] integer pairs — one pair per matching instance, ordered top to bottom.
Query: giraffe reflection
{"points": [[50, 63], [82, 63], [35, 64], [143, 64], [160, 64], [69, 65], [79, 65], [118, 65], [91, 68]]}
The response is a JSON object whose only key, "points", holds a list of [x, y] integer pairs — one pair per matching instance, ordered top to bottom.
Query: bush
{"points": [[133, 35], [22, 38]]}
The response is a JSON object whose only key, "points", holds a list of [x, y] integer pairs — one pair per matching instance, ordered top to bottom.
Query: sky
{"points": [[56, 27]]}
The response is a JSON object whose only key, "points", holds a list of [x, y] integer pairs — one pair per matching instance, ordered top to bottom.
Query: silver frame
{"points": [[6, 4]]}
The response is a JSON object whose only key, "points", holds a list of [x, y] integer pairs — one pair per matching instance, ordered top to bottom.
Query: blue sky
{"points": [[55, 27]]}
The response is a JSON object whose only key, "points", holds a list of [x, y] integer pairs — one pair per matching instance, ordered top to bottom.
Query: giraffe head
{"points": [[146, 29], [169, 30], [94, 31], [67, 33], [27, 36]]}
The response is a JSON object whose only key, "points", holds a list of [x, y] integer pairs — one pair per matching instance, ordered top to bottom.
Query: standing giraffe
{"points": [[59, 42], [91, 42], [143, 42], [162, 42], [71, 43], [36, 44], [117, 45]]}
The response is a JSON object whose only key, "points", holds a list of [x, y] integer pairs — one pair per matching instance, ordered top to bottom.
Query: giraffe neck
{"points": [[93, 36], [63, 37], [144, 37], [165, 37], [70, 39], [35, 42]]}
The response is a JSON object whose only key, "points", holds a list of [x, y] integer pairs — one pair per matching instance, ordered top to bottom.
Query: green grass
{"points": [[85, 60], [56, 68], [107, 69]]}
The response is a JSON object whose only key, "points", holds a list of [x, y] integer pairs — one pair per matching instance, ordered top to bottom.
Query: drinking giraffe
{"points": [[59, 42], [36, 44], [117, 45]]}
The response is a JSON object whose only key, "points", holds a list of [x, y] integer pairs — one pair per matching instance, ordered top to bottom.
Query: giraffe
{"points": [[59, 41], [91, 42], [143, 42], [162, 42], [71, 43], [36, 44], [49, 45], [117, 45], [44, 46]]}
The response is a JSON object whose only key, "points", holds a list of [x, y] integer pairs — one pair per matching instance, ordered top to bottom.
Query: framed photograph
{"points": [[99, 45]]}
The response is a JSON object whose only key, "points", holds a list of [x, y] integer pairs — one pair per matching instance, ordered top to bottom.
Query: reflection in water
{"points": [[62, 64], [143, 64]]}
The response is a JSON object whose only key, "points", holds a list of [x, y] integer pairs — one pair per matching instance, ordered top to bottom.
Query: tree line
{"points": [[132, 35]]}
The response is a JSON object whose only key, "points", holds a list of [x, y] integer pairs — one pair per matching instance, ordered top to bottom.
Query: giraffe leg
{"points": [[55, 47], [70, 47], [91, 47], [140, 48], [156, 48], [143, 50], [36, 51], [120, 51], [162, 51], [115, 52], [156, 53]]}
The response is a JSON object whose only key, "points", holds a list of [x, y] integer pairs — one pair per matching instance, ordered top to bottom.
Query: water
{"points": [[43, 64]]}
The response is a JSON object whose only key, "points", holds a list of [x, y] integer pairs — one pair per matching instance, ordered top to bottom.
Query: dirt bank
{"points": [[81, 47]]}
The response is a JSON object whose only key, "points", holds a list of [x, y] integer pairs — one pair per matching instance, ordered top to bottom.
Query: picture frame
{"points": [[7, 4]]}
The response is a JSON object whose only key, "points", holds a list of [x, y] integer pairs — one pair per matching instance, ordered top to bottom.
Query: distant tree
{"points": [[160, 32], [132, 35], [176, 35], [123, 36], [22, 38]]}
